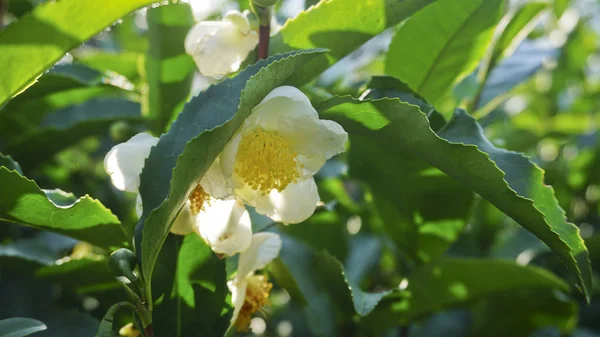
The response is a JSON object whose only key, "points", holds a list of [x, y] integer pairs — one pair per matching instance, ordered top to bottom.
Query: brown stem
{"points": [[264, 33], [149, 331], [404, 331]]}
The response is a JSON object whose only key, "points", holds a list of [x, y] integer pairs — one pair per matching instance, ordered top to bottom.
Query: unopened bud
{"points": [[122, 262]]}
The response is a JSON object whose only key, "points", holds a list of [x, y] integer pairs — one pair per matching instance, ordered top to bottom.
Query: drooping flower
{"points": [[220, 47], [271, 160], [210, 211], [250, 292]]}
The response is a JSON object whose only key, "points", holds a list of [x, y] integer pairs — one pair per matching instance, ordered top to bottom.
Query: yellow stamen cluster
{"points": [[266, 161], [198, 199], [257, 297]]}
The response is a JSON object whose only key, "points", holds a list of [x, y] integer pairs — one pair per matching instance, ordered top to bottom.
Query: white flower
{"points": [[220, 47], [271, 160], [223, 224], [249, 292]]}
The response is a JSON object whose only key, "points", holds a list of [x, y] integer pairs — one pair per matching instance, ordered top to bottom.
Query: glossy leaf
{"points": [[340, 26], [36, 41], [440, 45], [169, 70], [65, 127], [183, 154], [10, 164], [506, 179], [22, 201], [26, 255], [451, 282], [190, 290], [20, 327]]}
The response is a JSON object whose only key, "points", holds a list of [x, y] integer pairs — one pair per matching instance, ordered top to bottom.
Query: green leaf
{"points": [[340, 26], [514, 27], [49, 32], [440, 45], [529, 57], [124, 63], [169, 70], [66, 126], [202, 129], [10, 164], [506, 179], [22, 201], [26, 255], [80, 273], [450, 282], [190, 288], [329, 297], [521, 312], [20, 327], [107, 327]]}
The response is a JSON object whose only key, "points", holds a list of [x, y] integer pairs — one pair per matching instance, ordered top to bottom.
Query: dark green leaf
{"points": [[341, 26], [36, 41], [440, 45], [169, 70], [65, 127], [183, 155], [10, 164], [506, 179], [86, 219], [26, 255], [78, 274], [451, 282], [190, 288], [330, 298], [521, 312], [20, 327], [107, 327]]}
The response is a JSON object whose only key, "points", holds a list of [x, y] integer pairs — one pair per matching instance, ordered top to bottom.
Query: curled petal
{"points": [[125, 161], [214, 183], [296, 203], [185, 221], [225, 225], [264, 248], [238, 294]]}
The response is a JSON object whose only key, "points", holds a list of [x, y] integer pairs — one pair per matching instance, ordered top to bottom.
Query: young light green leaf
{"points": [[341, 26], [50, 31], [440, 45], [169, 70], [195, 139], [506, 179], [22, 201], [450, 282], [20, 327]]}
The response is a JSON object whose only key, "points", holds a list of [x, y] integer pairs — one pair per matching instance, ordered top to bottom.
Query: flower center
{"points": [[266, 161], [198, 199], [257, 297]]}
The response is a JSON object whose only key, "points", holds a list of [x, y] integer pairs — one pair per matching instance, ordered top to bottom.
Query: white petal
{"points": [[239, 20], [200, 31], [280, 107], [227, 157], [125, 161], [214, 183], [296, 203], [139, 206], [185, 222], [225, 225], [263, 249], [238, 295]]}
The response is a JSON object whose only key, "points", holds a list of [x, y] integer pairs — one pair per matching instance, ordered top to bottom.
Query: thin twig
{"points": [[3, 10], [264, 34], [404, 331]]}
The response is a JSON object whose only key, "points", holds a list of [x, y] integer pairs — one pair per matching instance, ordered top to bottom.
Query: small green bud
{"points": [[265, 3], [122, 262]]}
